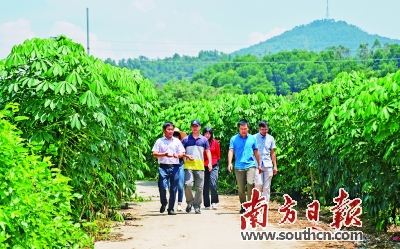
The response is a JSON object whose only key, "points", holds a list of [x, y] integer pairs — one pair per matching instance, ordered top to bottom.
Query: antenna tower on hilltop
{"points": [[327, 9]]}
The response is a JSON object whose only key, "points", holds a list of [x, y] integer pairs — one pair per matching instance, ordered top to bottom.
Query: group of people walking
{"points": [[192, 160], [187, 161]]}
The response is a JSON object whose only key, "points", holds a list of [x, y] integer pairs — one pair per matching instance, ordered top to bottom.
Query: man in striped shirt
{"points": [[195, 144]]}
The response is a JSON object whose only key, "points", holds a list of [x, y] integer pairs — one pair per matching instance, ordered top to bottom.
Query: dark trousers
{"points": [[168, 176], [210, 183]]}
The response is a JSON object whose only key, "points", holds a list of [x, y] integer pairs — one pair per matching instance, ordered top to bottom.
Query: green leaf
{"points": [[43, 65], [33, 82], [60, 87], [89, 98], [47, 103], [384, 113], [20, 118], [76, 195]]}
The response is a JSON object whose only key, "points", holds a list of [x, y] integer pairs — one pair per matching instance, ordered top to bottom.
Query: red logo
{"points": [[256, 211], [346, 211], [290, 215]]}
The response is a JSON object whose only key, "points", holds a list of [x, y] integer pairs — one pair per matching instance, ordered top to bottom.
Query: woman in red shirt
{"points": [[211, 177]]}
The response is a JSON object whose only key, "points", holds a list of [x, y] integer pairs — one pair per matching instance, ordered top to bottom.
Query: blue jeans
{"points": [[168, 177], [210, 183], [181, 184]]}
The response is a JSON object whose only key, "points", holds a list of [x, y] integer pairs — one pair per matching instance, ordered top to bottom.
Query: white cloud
{"points": [[144, 5], [160, 25], [12, 33], [256, 37], [97, 48]]}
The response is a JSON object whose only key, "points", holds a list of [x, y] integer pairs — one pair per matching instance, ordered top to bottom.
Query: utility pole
{"points": [[327, 9], [87, 29]]}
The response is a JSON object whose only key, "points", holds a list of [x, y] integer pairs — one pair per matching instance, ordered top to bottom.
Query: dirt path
{"points": [[211, 229]]}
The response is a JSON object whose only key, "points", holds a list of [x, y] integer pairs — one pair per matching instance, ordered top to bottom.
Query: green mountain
{"points": [[317, 36]]}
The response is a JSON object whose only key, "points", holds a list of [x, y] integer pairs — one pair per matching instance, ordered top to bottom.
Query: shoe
{"points": [[214, 206], [162, 208], [189, 208], [207, 208], [179, 209], [197, 210], [242, 210], [171, 212]]}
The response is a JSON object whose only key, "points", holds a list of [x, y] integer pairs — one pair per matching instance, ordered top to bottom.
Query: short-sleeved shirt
{"points": [[265, 145], [172, 146], [195, 148], [243, 149], [215, 153]]}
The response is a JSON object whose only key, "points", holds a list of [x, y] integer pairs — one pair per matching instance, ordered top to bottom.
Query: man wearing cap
{"points": [[195, 144], [243, 146], [168, 150]]}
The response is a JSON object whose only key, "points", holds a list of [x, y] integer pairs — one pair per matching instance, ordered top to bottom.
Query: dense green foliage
{"points": [[316, 36], [176, 67], [288, 72], [282, 73], [91, 117], [340, 134], [35, 210]]}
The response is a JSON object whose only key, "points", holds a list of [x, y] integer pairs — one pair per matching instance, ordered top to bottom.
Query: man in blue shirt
{"points": [[243, 146], [266, 148], [168, 150]]}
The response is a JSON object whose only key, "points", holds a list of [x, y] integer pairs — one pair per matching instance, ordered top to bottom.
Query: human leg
{"points": [[250, 173], [173, 174], [267, 178], [241, 182], [258, 182], [199, 183], [181, 184], [213, 184], [188, 186], [162, 187], [206, 188]]}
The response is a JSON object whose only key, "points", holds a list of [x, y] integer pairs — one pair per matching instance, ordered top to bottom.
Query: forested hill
{"points": [[316, 36], [172, 68]]}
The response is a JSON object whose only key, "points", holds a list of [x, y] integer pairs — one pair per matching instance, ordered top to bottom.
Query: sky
{"points": [[160, 28]]}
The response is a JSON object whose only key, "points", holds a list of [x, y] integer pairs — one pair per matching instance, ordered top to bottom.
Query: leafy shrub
{"points": [[92, 117], [34, 199]]}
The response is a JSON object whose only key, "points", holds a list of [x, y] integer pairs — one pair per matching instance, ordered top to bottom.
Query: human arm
{"points": [[157, 148], [218, 150], [157, 154], [180, 155], [230, 156], [257, 156], [190, 157], [273, 158], [209, 160]]}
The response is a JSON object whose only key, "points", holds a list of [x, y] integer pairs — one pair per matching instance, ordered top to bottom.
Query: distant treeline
{"points": [[172, 68], [211, 73]]}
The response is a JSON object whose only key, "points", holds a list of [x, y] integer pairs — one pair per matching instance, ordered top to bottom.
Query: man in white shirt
{"points": [[266, 148], [168, 150]]}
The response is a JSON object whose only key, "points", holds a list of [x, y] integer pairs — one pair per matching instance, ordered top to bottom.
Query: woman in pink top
{"points": [[211, 177]]}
